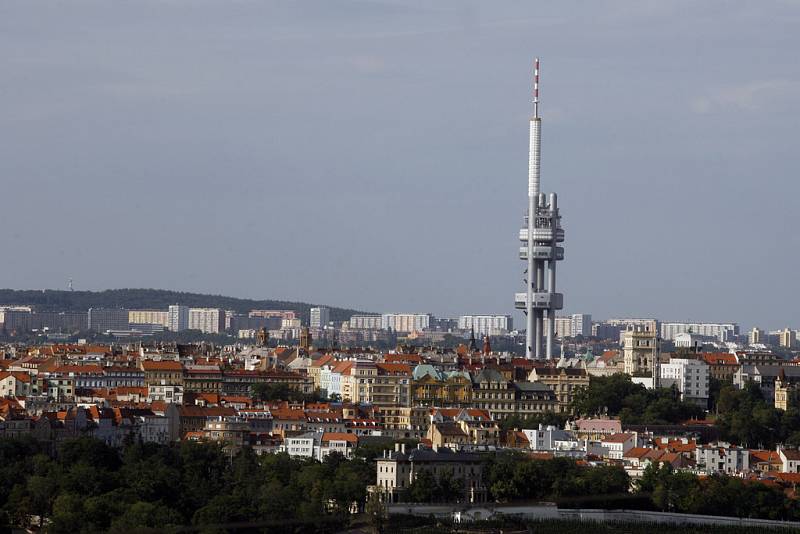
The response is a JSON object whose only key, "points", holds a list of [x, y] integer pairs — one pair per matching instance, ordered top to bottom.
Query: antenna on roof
{"points": [[536, 87]]}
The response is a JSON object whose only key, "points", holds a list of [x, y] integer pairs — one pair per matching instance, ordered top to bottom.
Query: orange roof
{"points": [[720, 358], [324, 360], [167, 365], [343, 368], [393, 368], [22, 377], [339, 436], [620, 437], [637, 452], [764, 456], [793, 478]]}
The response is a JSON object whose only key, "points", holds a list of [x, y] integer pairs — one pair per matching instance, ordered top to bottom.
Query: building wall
{"points": [[157, 317], [320, 317], [207, 320], [365, 322], [486, 325], [720, 331]]}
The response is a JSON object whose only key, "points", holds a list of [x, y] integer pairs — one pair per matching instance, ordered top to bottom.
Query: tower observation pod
{"points": [[540, 249]]}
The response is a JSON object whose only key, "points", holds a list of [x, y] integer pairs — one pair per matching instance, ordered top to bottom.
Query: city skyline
{"points": [[419, 153]]}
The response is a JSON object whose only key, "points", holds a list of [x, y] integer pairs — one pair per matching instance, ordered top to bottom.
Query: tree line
{"points": [[90, 487]]}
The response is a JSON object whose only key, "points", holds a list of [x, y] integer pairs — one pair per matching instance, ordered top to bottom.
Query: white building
{"points": [[156, 317], [320, 317], [178, 318], [207, 320], [365, 322], [406, 322], [581, 324], [486, 325], [563, 326], [721, 331], [689, 376], [169, 393], [551, 439], [616, 445], [303, 446], [722, 458]]}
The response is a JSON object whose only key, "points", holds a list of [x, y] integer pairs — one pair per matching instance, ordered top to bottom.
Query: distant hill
{"points": [[56, 300]]}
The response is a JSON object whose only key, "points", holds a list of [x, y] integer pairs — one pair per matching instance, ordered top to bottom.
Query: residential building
{"points": [[154, 317], [320, 317], [178, 318], [108, 319], [207, 320], [365, 322], [406, 322], [581, 324], [486, 325], [721, 331], [757, 336], [787, 338], [722, 366], [166, 372], [690, 376], [564, 382], [15, 384], [392, 385], [434, 387], [231, 430], [616, 445], [722, 458], [790, 460], [397, 470]]}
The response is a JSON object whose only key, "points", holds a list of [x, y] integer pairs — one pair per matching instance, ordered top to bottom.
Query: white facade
{"points": [[320, 317], [178, 318], [207, 320], [365, 322], [406, 322], [581, 324], [486, 325], [720, 331], [689, 376], [166, 393], [550, 438], [303, 446], [722, 458]]}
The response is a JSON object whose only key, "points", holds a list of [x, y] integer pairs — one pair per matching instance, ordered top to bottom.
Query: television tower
{"points": [[541, 235]]}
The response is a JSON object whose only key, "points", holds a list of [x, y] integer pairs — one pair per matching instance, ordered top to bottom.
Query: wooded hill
{"points": [[157, 299]]}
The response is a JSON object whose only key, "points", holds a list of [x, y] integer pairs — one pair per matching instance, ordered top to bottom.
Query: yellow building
{"points": [[787, 338], [563, 381], [432, 387]]}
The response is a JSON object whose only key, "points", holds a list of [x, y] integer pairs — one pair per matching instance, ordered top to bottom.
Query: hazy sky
{"points": [[373, 154]]}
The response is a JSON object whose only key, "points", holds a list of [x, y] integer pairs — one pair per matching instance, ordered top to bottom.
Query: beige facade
{"points": [[149, 317], [640, 350], [563, 381]]}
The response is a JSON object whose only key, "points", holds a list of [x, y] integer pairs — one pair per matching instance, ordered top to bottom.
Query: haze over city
{"points": [[373, 155]]}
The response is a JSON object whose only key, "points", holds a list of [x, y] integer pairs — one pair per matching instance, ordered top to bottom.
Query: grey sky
{"points": [[373, 154]]}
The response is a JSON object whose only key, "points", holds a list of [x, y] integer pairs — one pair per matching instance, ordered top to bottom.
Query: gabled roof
{"points": [[339, 436], [620, 437]]}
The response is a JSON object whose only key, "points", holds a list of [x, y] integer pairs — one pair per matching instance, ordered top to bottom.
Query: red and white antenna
{"points": [[536, 87]]}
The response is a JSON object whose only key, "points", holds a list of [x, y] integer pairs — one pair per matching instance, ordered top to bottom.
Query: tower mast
{"points": [[540, 236]]}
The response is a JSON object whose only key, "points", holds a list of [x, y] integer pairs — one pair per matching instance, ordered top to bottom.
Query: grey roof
{"points": [[489, 375], [531, 386]]}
